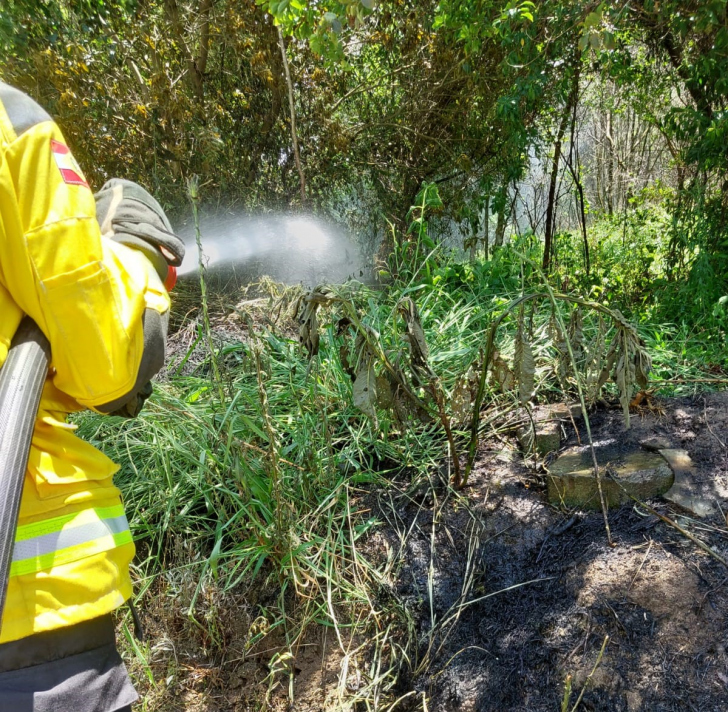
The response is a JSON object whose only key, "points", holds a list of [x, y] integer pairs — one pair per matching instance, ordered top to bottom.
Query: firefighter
{"points": [[96, 290]]}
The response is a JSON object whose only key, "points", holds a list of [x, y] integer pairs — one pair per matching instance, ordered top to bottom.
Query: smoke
{"points": [[289, 248]]}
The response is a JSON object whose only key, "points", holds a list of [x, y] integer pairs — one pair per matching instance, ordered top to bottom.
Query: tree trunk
{"points": [[204, 48], [697, 90], [292, 106], [610, 166], [575, 170], [550, 205], [504, 217], [500, 226], [486, 232], [474, 244]]}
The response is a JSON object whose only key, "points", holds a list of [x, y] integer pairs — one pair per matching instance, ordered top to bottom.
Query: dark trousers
{"points": [[76, 668]]}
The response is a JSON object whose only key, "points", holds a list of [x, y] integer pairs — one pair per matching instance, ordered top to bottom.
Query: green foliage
{"points": [[321, 24], [163, 90]]}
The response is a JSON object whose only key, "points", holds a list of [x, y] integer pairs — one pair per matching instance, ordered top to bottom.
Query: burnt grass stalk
{"points": [[250, 464]]}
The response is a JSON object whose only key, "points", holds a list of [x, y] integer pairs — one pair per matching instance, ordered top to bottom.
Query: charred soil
{"points": [[510, 595]]}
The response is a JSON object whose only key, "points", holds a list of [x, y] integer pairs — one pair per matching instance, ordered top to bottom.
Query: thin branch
{"points": [[365, 86], [294, 134]]}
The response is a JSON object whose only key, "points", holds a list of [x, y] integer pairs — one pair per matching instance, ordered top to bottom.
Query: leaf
{"points": [[368, 4], [329, 17], [592, 20], [429, 197], [308, 330], [576, 335], [415, 338], [559, 341], [345, 359], [594, 362], [609, 364], [524, 365], [643, 366], [624, 374], [502, 375], [623, 386], [364, 389], [385, 394], [195, 395], [463, 395], [215, 555]]}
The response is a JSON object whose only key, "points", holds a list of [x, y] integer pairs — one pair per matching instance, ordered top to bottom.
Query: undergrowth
{"points": [[258, 476]]}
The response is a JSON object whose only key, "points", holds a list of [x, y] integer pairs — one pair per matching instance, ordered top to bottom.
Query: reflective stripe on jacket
{"points": [[88, 295], [56, 541]]}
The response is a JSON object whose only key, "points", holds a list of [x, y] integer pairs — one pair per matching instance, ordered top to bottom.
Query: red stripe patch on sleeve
{"points": [[70, 171]]}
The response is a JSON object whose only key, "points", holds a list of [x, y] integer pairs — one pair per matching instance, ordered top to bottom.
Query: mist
{"points": [[289, 248]]}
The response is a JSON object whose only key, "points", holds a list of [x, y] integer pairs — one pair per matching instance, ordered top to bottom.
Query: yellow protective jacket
{"points": [[88, 295]]}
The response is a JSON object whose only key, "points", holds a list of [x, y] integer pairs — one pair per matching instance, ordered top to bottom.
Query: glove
{"points": [[130, 215], [134, 405]]}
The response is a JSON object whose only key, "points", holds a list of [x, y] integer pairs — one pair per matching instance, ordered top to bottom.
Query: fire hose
{"points": [[21, 384]]}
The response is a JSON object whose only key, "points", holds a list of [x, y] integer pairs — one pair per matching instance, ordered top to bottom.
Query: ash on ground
{"points": [[523, 595]]}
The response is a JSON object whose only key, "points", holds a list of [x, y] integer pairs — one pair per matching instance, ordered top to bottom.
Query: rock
{"points": [[564, 411], [547, 420], [546, 439], [656, 444], [679, 460], [642, 474], [684, 491]]}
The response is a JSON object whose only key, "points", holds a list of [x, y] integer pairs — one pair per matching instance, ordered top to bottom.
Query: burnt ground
{"points": [[661, 600]]}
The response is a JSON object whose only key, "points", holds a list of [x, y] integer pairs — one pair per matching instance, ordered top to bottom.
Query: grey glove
{"points": [[137, 220], [134, 405]]}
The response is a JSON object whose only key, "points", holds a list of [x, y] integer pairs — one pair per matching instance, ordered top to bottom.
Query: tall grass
{"points": [[267, 484]]}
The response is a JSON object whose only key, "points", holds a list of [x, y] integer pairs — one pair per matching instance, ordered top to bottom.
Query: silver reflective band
{"points": [[68, 537]]}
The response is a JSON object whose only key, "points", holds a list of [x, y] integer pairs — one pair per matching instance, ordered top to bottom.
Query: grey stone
{"points": [[564, 411], [548, 428], [546, 439], [656, 444], [571, 479], [684, 491]]}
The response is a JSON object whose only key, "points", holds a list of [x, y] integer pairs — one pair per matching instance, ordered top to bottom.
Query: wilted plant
{"points": [[626, 361], [403, 381], [392, 388]]}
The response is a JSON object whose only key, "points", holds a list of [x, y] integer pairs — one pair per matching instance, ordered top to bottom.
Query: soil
{"points": [[547, 589], [507, 597]]}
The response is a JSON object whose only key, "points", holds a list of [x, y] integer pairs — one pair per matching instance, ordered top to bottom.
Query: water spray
{"points": [[288, 247]]}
